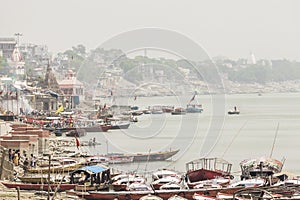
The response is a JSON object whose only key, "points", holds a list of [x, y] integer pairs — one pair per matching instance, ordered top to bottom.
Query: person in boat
{"points": [[235, 109]]}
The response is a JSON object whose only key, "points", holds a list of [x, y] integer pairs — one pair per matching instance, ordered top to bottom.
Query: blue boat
{"points": [[194, 108]]}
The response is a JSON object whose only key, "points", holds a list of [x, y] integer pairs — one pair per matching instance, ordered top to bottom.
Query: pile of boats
{"points": [[205, 178]]}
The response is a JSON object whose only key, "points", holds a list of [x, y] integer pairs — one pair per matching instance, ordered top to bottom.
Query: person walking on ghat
{"points": [[16, 158]]}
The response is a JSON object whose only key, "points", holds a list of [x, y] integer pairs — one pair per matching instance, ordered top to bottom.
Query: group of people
{"points": [[14, 156]]}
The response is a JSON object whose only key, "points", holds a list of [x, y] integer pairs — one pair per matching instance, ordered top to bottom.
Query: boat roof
{"points": [[217, 160], [266, 160], [94, 169], [164, 172]]}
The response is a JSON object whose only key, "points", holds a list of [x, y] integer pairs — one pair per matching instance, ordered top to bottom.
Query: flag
{"points": [[60, 109], [77, 142]]}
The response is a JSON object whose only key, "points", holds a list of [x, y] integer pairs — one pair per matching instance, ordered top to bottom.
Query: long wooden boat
{"points": [[120, 125], [96, 128], [154, 156], [56, 168], [34, 179], [38, 186], [164, 194]]}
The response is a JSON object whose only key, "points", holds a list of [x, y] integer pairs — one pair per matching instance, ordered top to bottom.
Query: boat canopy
{"points": [[210, 164], [95, 169]]}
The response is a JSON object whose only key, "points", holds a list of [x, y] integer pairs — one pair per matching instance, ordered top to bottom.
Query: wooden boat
{"points": [[194, 108], [167, 109], [178, 111], [235, 111], [231, 112], [7, 117], [118, 124], [96, 128], [58, 132], [76, 133], [155, 156], [143, 157], [64, 165], [260, 167], [207, 168], [164, 173], [43, 178], [92, 178], [34, 179], [211, 183], [122, 184], [157, 184], [39, 186], [164, 194], [150, 197], [176, 197]]}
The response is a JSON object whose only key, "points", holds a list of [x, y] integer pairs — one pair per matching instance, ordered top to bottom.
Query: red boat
{"points": [[207, 168], [38, 186], [164, 194]]}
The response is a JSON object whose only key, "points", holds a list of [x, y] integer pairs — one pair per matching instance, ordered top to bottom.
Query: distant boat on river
{"points": [[194, 108], [178, 111], [151, 156]]}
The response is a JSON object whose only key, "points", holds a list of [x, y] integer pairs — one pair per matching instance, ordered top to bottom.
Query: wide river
{"points": [[268, 125]]}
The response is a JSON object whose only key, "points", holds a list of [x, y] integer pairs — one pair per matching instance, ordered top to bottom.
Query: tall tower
{"points": [[252, 60]]}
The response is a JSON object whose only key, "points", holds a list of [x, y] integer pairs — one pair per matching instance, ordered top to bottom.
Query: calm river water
{"points": [[268, 125]]}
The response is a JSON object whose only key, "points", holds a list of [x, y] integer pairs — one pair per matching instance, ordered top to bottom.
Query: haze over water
{"points": [[248, 135]]}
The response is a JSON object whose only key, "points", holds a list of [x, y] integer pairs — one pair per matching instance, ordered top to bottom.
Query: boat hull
{"points": [[233, 112], [121, 126], [96, 128], [160, 156], [204, 174], [31, 186], [164, 194]]}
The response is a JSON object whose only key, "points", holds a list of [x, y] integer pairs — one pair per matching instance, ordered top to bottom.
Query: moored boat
{"points": [[194, 108], [178, 111], [118, 124], [96, 128], [76, 133], [153, 156], [64, 165], [260, 167], [207, 168], [39, 186], [164, 194], [150, 197]]}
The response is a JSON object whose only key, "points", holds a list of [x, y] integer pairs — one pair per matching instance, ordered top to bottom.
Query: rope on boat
{"points": [[276, 133], [233, 139]]}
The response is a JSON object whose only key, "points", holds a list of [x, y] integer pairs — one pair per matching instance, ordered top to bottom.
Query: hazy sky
{"points": [[232, 28]]}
